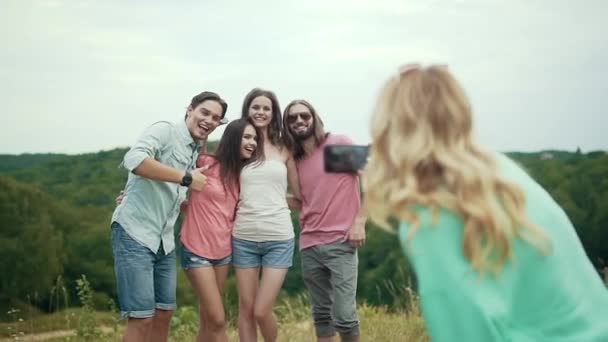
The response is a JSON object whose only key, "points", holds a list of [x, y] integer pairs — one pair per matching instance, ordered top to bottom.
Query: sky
{"points": [[82, 76]]}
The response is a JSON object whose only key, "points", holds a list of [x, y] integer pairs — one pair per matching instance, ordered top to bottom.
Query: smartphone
{"points": [[345, 158]]}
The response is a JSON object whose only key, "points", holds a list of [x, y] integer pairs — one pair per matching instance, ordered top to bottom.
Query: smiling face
{"points": [[260, 111], [203, 119], [300, 122], [249, 142]]}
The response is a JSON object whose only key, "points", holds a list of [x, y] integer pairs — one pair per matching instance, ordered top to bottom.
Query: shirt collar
{"points": [[185, 135]]}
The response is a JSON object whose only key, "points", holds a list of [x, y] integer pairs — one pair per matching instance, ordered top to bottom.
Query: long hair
{"points": [[275, 127], [295, 146], [228, 152], [423, 153]]}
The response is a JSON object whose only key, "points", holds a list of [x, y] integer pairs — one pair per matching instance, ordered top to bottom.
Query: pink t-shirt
{"points": [[331, 201], [207, 227]]}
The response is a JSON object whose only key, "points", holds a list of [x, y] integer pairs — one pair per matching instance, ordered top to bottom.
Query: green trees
{"points": [[579, 183], [55, 213], [31, 242]]}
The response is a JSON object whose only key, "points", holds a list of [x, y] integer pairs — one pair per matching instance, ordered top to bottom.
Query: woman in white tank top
{"points": [[263, 236]]}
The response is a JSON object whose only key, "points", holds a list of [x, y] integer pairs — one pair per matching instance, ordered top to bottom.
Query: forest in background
{"points": [[55, 213]]}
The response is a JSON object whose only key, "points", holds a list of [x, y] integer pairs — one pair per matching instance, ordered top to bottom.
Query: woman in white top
{"points": [[263, 234]]}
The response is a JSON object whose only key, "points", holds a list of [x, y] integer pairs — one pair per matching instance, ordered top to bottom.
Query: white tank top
{"points": [[262, 213]]}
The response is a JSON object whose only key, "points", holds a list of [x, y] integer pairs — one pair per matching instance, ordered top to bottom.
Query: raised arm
{"points": [[141, 158], [153, 169]]}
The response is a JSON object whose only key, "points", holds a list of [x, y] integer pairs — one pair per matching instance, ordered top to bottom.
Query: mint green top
{"points": [[558, 297]]}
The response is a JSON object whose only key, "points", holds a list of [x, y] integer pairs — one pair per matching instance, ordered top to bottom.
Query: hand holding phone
{"points": [[345, 158]]}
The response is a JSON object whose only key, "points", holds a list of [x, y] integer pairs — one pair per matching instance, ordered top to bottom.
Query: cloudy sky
{"points": [[82, 76]]}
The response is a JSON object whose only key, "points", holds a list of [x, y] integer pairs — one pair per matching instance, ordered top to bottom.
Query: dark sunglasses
{"points": [[291, 118]]}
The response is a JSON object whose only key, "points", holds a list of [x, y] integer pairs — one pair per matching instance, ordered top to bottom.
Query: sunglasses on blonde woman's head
{"points": [[406, 68], [292, 118]]}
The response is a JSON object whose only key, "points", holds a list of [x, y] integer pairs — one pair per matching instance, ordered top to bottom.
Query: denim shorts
{"points": [[273, 254], [191, 260], [145, 281]]}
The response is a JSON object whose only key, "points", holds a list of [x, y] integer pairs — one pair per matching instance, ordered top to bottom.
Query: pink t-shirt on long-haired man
{"points": [[331, 201]]}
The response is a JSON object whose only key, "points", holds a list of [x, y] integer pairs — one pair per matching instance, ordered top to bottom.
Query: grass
{"points": [[64, 320], [401, 323], [377, 324]]}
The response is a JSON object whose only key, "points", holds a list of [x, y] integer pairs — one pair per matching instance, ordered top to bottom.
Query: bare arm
{"points": [[141, 158], [152, 169], [155, 170], [292, 176], [294, 203], [184, 206], [356, 234]]}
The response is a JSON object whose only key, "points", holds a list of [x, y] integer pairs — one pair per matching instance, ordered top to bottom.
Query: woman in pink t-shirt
{"points": [[207, 228]]}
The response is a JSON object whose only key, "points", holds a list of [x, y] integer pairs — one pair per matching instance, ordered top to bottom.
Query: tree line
{"points": [[55, 213]]}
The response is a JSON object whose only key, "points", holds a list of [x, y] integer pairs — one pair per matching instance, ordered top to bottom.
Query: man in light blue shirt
{"points": [[161, 165]]}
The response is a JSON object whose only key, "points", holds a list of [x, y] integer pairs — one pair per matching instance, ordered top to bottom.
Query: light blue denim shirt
{"points": [[150, 208]]}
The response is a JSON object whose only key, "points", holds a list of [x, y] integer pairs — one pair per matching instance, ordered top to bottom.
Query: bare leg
{"points": [[208, 283], [247, 286], [270, 286], [160, 326], [137, 329], [325, 339]]}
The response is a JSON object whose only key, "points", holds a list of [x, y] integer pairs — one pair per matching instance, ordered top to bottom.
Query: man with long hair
{"points": [[332, 226]]}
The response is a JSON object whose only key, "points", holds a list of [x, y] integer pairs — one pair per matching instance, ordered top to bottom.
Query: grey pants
{"points": [[330, 274]]}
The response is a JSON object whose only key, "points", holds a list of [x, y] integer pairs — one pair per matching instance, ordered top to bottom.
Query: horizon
{"points": [[549, 150]]}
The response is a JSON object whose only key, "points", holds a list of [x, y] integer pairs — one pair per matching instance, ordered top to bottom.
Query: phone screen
{"points": [[345, 158]]}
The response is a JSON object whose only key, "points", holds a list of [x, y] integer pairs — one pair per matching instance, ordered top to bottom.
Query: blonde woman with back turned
{"points": [[496, 258]]}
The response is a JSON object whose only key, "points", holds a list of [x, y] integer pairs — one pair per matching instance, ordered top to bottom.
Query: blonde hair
{"points": [[423, 153]]}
